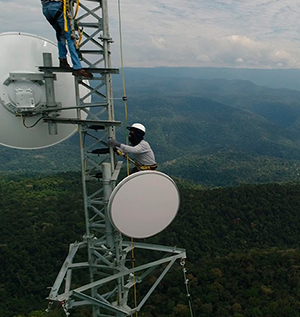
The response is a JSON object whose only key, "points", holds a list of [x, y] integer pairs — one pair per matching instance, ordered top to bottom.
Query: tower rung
{"points": [[89, 25], [96, 52], [94, 104], [82, 106], [104, 123]]}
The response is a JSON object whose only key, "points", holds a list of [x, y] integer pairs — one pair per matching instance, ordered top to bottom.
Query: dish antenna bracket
{"points": [[27, 86]]}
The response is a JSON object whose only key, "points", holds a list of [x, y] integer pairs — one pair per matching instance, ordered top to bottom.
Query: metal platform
{"points": [[70, 70]]}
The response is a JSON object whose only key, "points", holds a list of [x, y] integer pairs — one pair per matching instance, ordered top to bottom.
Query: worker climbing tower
{"points": [[48, 105]]}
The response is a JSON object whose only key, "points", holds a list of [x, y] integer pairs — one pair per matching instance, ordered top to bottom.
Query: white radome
{"points": [[143, 204]]}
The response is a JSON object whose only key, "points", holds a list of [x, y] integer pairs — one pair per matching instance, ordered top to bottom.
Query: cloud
{"points": [[24, 16], [219, 33], [227, 33], [159, 43], [241, 51], [239, 60]]}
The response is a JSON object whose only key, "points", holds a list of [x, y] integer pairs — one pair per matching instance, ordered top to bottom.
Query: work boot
{"points": [[63, 63], [82, 72]]}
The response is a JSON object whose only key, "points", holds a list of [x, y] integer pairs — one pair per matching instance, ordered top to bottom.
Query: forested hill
{"points": [[215, 132], [242, 245]]}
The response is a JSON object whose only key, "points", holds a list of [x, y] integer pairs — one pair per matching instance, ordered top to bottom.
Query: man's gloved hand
{"points": [[113, 143]]}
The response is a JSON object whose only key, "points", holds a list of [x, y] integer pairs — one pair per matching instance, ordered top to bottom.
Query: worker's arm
{"points": [[140, 148], [132, 149]]}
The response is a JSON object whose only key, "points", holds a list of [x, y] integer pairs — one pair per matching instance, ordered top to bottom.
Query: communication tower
{"points": [[45, 105]]}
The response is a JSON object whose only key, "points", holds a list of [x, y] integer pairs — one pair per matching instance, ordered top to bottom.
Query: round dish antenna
{"points": [[23, 94], [143, 204]]}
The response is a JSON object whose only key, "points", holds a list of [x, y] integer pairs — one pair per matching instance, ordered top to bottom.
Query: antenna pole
{"points": [[49, 87], [107, 189]]}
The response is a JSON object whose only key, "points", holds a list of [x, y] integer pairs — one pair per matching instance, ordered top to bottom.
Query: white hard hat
{"points": [[138, 126]]}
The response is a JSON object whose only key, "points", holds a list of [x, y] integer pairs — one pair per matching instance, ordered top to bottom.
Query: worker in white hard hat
{"points": [[141, 150]]}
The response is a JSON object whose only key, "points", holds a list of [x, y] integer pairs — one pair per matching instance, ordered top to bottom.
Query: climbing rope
{"points": [[77, 8], [70, 18], [78, 38], [123, 76], [127, 158], [186, 283], [50, 303], [65, 307]]}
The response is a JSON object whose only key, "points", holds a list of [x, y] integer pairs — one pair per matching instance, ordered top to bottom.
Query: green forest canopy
{"points": [[241, 242]]}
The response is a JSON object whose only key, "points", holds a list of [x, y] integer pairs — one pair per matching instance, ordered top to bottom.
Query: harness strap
{"points": [[65, 15], [138, 165], [147, 167]]}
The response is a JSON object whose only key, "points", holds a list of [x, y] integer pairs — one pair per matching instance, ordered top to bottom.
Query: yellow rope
{"points": [[77, 8], [65, 16], [80, 33], [123, 76], [125, 104]]}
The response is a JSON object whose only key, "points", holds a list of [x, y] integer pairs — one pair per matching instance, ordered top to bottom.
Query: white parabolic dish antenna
{"points": [[23, 53], [143, 204]]}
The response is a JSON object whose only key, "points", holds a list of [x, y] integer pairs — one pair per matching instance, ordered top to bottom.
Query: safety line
{"points": [[77, 8], [123, 76], [127, 160], [186, 283]]}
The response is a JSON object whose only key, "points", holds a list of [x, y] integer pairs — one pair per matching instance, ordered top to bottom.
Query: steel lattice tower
{"points": [[109, 277]]}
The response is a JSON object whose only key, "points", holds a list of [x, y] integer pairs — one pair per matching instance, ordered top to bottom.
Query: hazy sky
{"points": [[229, 33]]}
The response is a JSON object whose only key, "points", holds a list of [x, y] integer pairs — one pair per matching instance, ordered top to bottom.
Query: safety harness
{"points": [[64, 8], [138, 165], [146, 167]]}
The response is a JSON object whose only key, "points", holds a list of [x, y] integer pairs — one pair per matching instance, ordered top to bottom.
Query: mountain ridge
{"points": [[274, 78], [190, 118]]}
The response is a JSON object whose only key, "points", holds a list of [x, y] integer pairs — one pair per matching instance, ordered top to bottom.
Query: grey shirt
{"points": [[141, 152]]}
